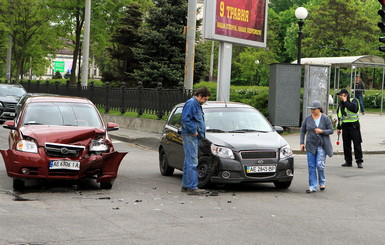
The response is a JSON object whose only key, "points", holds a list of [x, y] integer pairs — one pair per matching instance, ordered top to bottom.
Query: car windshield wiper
{"points": [[33, 123], [215, 130], [244, 130]]}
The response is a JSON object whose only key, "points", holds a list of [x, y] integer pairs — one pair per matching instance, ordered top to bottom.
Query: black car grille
{"points": [[9, 105], [62, 150], [258, 154], [260, 175]]}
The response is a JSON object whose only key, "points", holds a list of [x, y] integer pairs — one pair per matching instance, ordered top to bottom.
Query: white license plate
{"points": [[64, 164], [260, 169]]}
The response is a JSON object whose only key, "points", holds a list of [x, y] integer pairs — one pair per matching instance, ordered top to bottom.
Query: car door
{"points": [[172, 141]]}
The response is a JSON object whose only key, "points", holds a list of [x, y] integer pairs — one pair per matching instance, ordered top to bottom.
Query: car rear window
{"points": [[65, 114]]}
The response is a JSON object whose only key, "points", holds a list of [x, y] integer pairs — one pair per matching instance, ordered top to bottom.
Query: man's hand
{"points": [[338, 132], [195, 135], [302, 147]]}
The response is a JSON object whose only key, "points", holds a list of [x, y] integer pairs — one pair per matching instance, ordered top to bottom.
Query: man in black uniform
{"points": [[348, 122]]}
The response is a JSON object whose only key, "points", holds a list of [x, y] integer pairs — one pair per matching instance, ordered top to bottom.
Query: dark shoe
{"points": [[363, 113], [346, 165], [359, 165], [322, 187], [184, 189], [310, 191], [196, 192]]}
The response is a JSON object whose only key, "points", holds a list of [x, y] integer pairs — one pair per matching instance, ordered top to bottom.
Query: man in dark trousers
{"points": [[348, 122], [193, 131]]}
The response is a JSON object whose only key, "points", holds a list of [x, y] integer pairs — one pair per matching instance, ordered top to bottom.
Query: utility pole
{"points": [[86, 43], [190, 44], [9, 60]]}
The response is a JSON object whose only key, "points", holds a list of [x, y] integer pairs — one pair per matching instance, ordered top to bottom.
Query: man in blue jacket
{"points": [[193, 130]]}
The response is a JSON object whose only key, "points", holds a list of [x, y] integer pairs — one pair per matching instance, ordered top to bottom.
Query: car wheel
{"points": [[164, 167], [204, 171], [18, 184], [107, 185], [282, 185]]}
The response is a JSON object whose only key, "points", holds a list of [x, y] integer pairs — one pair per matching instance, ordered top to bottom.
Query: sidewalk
{"points": [[372, 129]]}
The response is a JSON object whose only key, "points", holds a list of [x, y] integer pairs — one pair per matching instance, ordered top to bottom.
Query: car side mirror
{"points": [[9, 125], [112, 126], [278, 129], [180, 130]]}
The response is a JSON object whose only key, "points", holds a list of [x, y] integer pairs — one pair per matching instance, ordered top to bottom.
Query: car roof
{"points": [[11, 85], [57, 98], [221, 104]]}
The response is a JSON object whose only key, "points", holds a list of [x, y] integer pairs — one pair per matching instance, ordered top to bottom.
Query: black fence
{"points": [[158, 101]]}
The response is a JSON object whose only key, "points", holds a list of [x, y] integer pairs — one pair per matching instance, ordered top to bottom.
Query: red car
{"points": [[60, 138]]}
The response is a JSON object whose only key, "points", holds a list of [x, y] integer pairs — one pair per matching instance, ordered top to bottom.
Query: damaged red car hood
{"points": [[60, 134]]}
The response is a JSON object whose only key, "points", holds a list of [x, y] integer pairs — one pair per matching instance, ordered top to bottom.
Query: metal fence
{"points": [[157, 101]]}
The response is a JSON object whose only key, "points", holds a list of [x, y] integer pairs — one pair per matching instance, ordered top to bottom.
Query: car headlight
{"points": [[26, 146], [99, 146], [221, 151], [285, 152]]}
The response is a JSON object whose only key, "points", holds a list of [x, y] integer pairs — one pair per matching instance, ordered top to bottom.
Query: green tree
{"points": [[25, 21], [335, 28], [126, 37], [161, 51]]}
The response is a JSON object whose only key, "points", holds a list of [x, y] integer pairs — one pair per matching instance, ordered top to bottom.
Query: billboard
{"points": [[236, 21]]}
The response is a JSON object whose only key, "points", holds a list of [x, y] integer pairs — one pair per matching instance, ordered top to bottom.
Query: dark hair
{"points": [[203, 91], [321, 110]]}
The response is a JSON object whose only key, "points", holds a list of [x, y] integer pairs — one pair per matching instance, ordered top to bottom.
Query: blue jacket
{"points": [[193, 119]]}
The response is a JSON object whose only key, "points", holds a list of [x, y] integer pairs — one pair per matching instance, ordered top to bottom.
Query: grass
{"points": [[132, 114]]}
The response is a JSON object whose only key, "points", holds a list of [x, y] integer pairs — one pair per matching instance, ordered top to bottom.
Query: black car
{"points": [[9, 96], [240, 146]]}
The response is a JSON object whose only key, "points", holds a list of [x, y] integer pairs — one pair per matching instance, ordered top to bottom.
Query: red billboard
{"points": [[238, 21]]}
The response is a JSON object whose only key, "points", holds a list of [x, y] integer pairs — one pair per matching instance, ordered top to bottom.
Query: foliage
{"points": [[27, 23], [124, 39], [161, 51], [57, 75]]}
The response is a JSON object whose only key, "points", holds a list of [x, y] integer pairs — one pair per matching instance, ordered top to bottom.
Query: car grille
{"points": [[9, 105], [62, 150], [258, 154], [260, 175]]}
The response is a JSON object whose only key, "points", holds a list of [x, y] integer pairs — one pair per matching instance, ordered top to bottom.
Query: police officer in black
{"points": [[349, 123]]}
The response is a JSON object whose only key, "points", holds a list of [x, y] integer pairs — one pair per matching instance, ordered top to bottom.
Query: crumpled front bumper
{"points": [[105, 166]]}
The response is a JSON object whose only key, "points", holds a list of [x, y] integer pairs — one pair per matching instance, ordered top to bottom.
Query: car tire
{"points": [[164, 166], [204, 171], [18, 184], [107, 185], [282, 185]]}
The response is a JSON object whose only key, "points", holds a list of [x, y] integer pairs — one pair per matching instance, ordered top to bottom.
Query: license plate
{"points": [[64, 164], [260, 169]]}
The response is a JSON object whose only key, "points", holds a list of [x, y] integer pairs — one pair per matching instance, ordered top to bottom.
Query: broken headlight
{"points": [[99, 145]]}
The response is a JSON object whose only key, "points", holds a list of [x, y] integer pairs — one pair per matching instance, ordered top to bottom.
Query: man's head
{"points": [[358, 78], [343, 94], [202, 95]]}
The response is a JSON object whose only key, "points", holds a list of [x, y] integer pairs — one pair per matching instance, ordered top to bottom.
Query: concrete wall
{"points": [[134, 123]]}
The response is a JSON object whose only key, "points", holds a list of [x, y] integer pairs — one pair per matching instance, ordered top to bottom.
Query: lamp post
{"points": [[301, 14]]}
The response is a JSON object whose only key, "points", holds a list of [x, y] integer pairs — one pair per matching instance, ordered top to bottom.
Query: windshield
{"points": [[8, 90], [65, 114], [235, 120]]}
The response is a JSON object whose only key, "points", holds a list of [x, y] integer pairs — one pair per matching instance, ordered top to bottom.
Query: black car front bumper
{"points": [[234, 171]]}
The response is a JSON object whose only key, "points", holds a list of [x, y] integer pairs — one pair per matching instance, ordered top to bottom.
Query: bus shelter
{"points": [[354, 64]]}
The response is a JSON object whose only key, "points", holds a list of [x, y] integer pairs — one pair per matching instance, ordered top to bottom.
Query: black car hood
{"points": [[9, 99], [247, 141]]}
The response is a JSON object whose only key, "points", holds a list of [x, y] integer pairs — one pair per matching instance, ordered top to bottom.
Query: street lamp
{"points": [[301, 14]]}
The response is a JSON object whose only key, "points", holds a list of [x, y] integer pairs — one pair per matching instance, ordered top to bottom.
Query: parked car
{"points": [[9, 96], [60, 138], [240, 146]]}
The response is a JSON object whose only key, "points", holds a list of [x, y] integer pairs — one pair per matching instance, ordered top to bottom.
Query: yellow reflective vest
{"points": [[350, 116]]}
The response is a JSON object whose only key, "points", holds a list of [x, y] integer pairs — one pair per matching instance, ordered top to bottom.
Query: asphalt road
{"points": [[144, 207]]}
